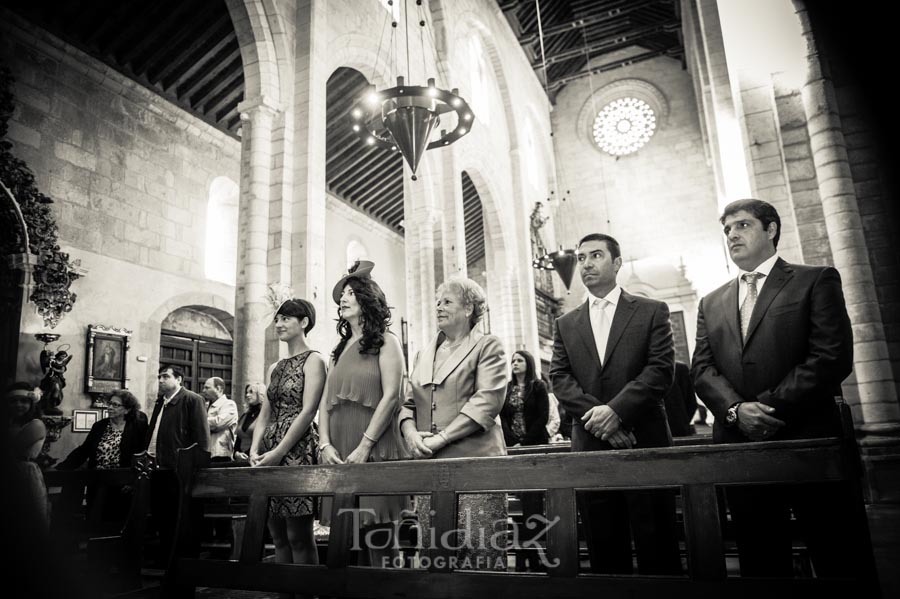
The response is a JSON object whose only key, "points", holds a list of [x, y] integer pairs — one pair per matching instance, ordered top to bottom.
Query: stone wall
{"points": [[657, 202]]}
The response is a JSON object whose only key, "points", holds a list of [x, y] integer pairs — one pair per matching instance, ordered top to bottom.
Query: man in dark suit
{"points": [[773, 346], [616, 402], [178, 421]]}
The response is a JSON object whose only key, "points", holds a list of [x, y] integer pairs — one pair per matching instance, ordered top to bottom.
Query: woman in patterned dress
{"points": [[356, 420], [284, 434], [112, 443]]}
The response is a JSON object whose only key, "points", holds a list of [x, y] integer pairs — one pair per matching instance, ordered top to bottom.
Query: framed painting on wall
{"points": [[107, 359]]}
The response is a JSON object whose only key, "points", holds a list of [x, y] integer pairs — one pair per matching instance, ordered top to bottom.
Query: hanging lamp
{"points": [[404, 118]]}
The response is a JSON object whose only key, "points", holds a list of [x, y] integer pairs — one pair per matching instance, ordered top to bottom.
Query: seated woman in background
{"points": [[456, 390], [253, 394], [356, 418], [25, 438], [112, 443]]}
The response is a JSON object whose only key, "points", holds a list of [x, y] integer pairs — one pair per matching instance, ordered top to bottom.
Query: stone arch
{"points": [[466, 24], [260, 47], [360, 53], [14, 257], [498, 260], [215, 305]]}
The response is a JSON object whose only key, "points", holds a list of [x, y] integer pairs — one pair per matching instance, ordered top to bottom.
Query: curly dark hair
{"points": [[375, 317]]}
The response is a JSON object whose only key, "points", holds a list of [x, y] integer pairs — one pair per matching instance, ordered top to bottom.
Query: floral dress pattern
{"points": [[285, 396]]}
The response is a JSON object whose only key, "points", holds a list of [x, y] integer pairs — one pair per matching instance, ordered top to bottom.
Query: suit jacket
{"points": [[798, 349], [634, 376], [472, 381], [681, 402], [536, 413], [183, 424], [133, 441]]}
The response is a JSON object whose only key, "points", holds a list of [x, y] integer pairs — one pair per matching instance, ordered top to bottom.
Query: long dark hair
{"points": [[375, 317], [529, 371]]}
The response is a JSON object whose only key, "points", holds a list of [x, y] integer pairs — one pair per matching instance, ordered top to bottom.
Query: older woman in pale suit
{"points": [[457, 388]]}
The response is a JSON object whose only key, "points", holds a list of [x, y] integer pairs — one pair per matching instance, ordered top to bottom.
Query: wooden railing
{"points": [[696, 471], [116, 545]]}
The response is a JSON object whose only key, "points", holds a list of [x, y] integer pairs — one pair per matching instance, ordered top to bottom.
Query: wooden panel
{"points": [[255, 528], [342, 530], [703, 534], [562, 538], [370, 582]]}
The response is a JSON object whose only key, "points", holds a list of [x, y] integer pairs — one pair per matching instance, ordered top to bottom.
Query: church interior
{"points": [[168, 165]]}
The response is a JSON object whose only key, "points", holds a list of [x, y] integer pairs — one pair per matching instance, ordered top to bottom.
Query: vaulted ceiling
{"points": [[576, 32], [187, 51]]}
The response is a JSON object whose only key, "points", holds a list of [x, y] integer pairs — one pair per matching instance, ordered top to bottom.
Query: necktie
{"points": [[750, 279], [600, 324]]}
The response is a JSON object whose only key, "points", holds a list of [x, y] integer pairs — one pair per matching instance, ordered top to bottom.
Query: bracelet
{"points": [[443, 436], [370, 438], [324, 446]]}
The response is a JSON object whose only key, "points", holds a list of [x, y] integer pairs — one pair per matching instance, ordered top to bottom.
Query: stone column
{"points": [[732, 179], [308, 219], [419, 228], [250, 322], [872, 369]]}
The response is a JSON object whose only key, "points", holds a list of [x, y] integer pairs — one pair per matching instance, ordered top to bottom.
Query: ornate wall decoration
{"points": [[53, 273]]}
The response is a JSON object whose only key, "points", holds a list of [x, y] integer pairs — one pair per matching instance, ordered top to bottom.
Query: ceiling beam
{"points": [[576, 24], [611, 43], [672, 51]]}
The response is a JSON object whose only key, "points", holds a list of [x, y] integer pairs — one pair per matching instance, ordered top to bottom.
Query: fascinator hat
{"points": [[361, 269], [280, 298]]}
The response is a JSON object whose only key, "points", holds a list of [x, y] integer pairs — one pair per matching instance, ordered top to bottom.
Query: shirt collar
{"points": [[764, 269], [612, 297]]}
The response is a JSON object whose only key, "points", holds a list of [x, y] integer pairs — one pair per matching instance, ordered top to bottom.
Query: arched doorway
{"points": [[13, 253], [198, 340]]}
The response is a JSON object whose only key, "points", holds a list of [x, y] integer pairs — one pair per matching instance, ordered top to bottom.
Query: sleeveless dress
{"points": [[354, 391], [286, 400]]}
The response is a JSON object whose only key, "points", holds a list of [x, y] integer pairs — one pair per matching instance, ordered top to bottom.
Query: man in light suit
{"points": [[773, 346], [613, 362]]}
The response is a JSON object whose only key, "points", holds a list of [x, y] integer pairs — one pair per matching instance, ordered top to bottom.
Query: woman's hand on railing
{"points": [[330, 455], [269, 458]]}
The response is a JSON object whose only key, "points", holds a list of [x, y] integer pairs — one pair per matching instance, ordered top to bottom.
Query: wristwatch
{"points": [[731, 416]]}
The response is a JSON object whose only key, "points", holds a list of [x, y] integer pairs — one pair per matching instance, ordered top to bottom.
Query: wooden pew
{"points": [[696, 470], [122, 546]]}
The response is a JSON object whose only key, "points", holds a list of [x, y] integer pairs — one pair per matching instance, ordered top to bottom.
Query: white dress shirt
{"points": [[602, 313], [151, 447]]}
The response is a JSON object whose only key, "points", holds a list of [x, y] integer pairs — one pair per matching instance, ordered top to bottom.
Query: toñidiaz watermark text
{"points": [[479, 538]]}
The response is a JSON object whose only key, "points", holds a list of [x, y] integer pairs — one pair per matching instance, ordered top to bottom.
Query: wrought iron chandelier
{"points": [[403, 118]]}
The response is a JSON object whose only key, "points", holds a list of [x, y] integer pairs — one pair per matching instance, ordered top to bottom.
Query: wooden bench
{"points": [[696, 470], [107, 544]]}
